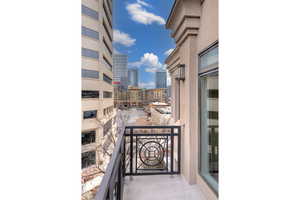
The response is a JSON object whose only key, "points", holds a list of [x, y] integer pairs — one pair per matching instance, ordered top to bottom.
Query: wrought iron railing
{"points": [[141, 150]]}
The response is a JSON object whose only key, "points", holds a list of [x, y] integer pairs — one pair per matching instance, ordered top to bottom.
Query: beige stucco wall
{"points": [[194, 27], [99, 65]]}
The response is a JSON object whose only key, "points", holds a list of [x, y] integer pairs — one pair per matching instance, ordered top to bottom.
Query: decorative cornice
{"points": [[171, 13], [185, 17], [191, 31], [172, 54], [174, 65]]}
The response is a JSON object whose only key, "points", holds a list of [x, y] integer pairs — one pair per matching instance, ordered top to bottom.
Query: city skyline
{"points": [[145, 40]]}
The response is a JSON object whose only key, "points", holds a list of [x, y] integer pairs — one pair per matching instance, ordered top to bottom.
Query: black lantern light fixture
{"points": [[181, 72]]}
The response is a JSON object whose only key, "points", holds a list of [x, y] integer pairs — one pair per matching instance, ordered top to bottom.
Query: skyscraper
{"points": [[120, 70], [133, 77], [161, 79]]}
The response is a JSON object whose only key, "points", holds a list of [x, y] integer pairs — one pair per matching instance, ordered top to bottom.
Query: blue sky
{"points": [[139, 32]]}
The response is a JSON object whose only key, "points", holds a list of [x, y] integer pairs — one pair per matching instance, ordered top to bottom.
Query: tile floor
{"points": [[160, 187]]}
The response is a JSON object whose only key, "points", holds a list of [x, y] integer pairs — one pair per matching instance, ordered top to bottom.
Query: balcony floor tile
{"points": [[160, 187]]}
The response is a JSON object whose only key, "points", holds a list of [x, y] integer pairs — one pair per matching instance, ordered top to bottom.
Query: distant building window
{"points": [[89, 12], [89, 32], [89, 53], [85, 73], [107, 79], [90, 94], [107, 94], [89, 114], [107, 127], [88, 137], [88, 159]]}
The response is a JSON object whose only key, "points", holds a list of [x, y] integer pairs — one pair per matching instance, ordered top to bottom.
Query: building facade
{"points": [[193, 67], [120, 71], [133, 77], [160, 79], [97, 90], [156, 95], [137, 97]]}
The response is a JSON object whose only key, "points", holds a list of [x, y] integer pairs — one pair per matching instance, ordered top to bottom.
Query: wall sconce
{"points": [[181, 72]]}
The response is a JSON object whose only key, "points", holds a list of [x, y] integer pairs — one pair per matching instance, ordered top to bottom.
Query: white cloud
{"points": [[143, 3], [141, 15], [123, 38], [115, 51], [168, 52], [151, 61], [151, 70], [148, 85]]}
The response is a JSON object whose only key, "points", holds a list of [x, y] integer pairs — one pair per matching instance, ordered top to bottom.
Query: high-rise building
{"points": [[120, 71], [133, 77], [161, 79], [97, 90]]}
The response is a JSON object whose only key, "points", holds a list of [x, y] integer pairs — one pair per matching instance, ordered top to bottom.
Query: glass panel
{"points": [[89, 12], [89, 32], [89, 53], [210, 58], [85, 73], [107, 79], [89, 94], [107, 94], [90, 114], [209, 135], [88, 137], [88, 159]]}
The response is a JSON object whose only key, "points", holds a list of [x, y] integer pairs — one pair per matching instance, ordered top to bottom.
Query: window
{"points": [[109, 6], [89, 12], [106, 14], [107, 31], [89, 32], [107, 47], [89, 53], [209, 59], [107, 62], [85, 73], [107, 79], [213, 93], [89, 94], [107, 94], [89, 114], [213, 115], [209, 124], [107, 127], [88, 137], [88, 159]]}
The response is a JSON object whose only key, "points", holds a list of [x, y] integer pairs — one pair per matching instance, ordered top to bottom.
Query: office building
{"points": [[120, 71], [133, 77], [160, 79], [97, 90]]}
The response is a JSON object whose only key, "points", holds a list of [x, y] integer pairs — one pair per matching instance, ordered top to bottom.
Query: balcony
{"points": [[146, 165], [160, 187]]}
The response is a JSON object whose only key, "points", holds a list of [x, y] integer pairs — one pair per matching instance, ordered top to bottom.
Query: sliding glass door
{"points": [[208, 116]]}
